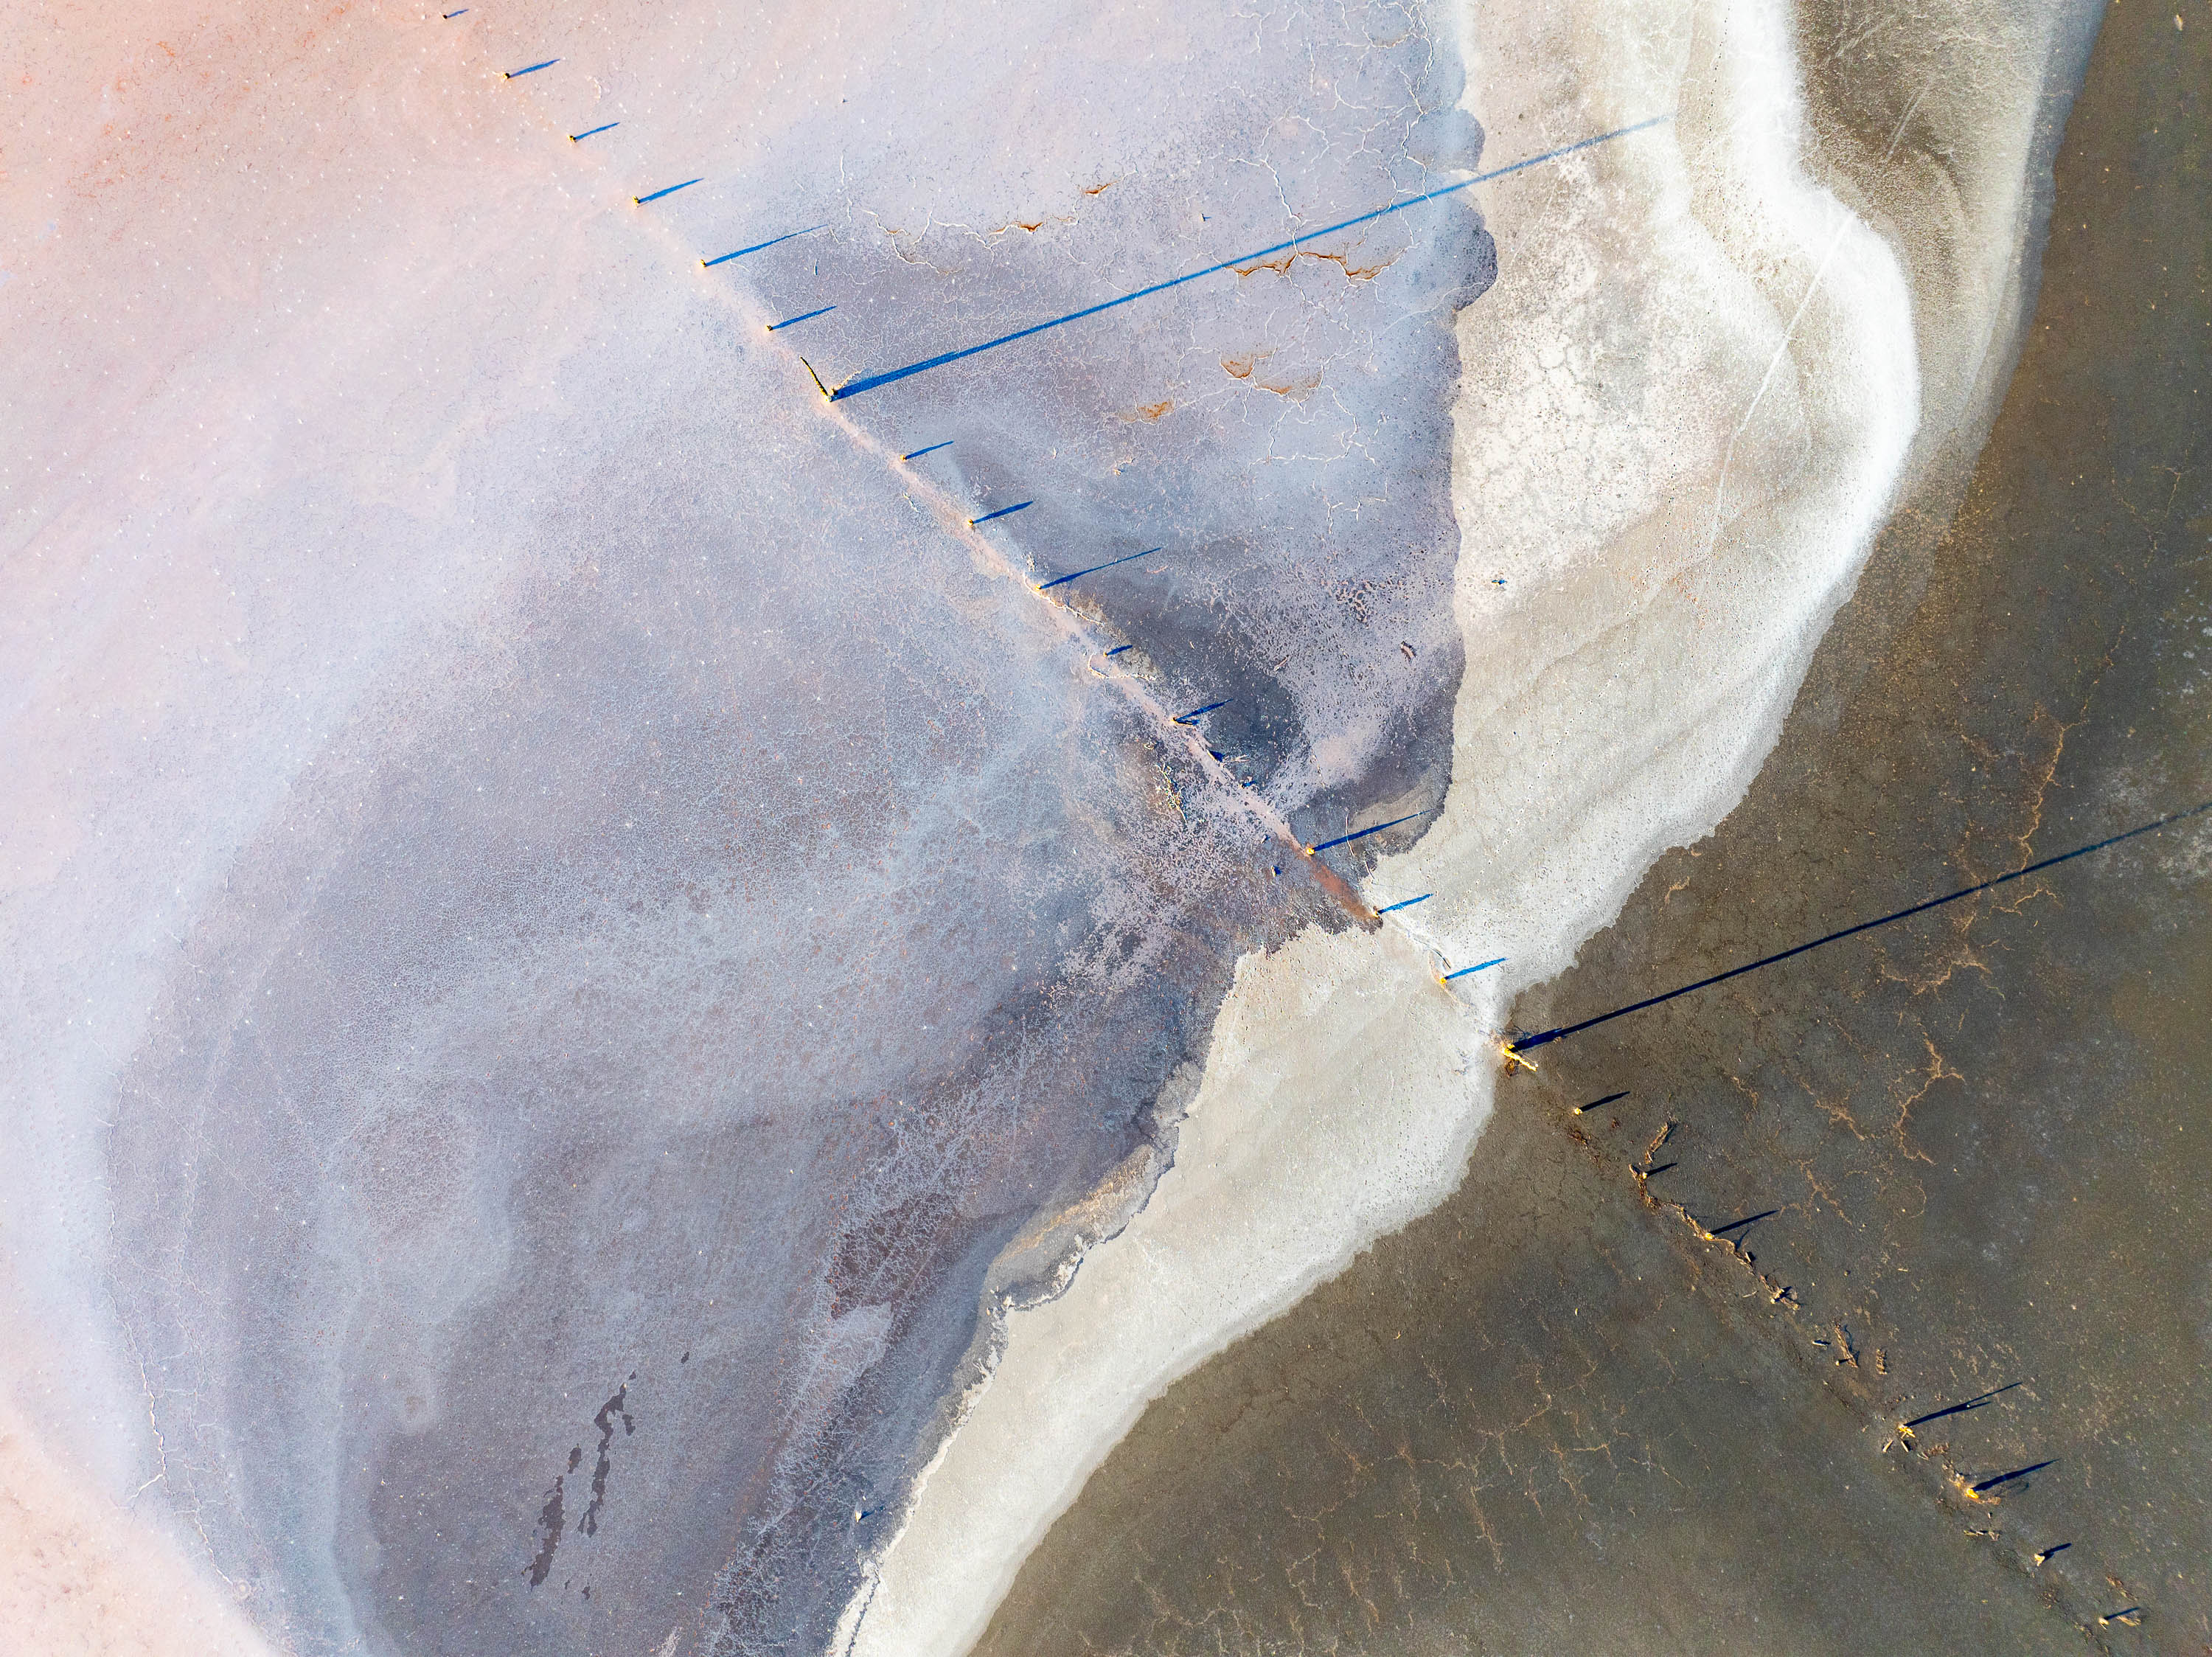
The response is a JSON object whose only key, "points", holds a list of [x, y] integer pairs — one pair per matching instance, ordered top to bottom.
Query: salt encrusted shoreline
{"points": [[1630, 358], [1686, 408]]}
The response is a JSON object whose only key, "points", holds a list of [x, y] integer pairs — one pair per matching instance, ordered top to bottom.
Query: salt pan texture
{"points": [[1688, 403], [567, 903]]}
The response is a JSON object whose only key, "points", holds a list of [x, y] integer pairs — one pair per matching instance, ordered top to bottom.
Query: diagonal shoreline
{"points": [[1302, 1146], [1564, 1412]]}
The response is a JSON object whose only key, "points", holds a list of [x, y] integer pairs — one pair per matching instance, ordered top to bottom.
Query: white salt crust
{"points": [[1688, 404], [1674, 444]]}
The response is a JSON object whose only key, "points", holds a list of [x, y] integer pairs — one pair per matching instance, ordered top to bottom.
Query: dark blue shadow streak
{"points": [[671, 190], [787, 235], [855, 387], [1061, 580], [1186, 719], [1361, 834], [1477, 967], [1527, 1042], [1747, 1220], [1960, 1409], [1991, 1484]]}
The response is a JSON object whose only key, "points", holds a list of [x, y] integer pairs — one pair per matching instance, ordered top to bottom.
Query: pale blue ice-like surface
{"points": [[562, 1141]]}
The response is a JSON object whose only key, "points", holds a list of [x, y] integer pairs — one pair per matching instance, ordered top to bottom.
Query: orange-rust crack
{"points": [[1282, 262], [1246, 368]]}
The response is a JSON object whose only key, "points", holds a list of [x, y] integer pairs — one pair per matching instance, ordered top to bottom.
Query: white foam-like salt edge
{"points": [[1679, 532]]}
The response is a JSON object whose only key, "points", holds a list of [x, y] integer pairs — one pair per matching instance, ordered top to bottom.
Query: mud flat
{"points": [[1718, 353], [1574, 1408]]}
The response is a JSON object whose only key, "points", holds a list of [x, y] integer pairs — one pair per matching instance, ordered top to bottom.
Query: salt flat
{"points": [[568, 899]]}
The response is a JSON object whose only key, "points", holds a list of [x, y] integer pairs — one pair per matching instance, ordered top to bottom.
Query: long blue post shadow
{"points": [[450, 15], [517, 74], [593, 132], [671, 190], [787, 235], [804, 316], [855, 387], [931, 449], [1004, 511], [1061, 580], [1190, 717], [1361, 834], [1405, 904], [1478, 967], [1527, 1042], [1595, 1103], [1747, 1220], [1960, 1409], [2005, 1479]]}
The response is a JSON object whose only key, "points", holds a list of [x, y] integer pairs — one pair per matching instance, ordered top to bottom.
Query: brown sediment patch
{"points": [[1031, 225], [1281, 263], [1247, 368], [1342, 891], [1552, 1416]]}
